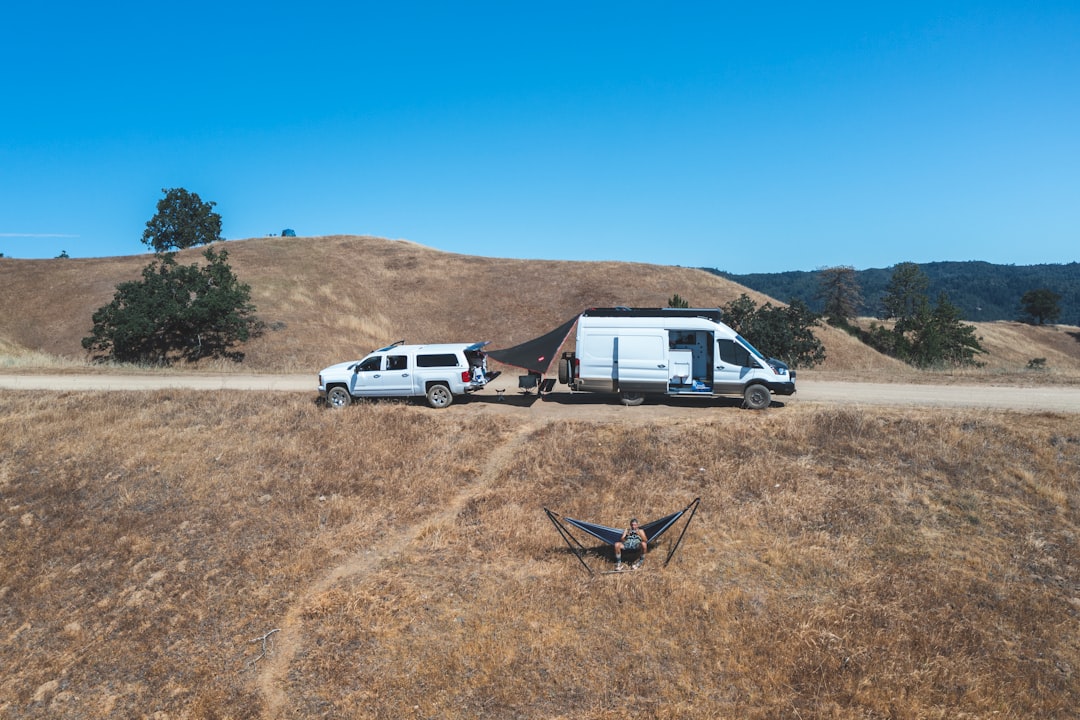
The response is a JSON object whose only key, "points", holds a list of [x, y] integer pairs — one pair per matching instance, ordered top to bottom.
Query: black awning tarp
{"points": [[535, 355]]}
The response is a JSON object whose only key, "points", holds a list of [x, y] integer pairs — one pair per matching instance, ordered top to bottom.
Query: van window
{"points": [[734, 353], [440, 360], [397, 362], [371, 364]]}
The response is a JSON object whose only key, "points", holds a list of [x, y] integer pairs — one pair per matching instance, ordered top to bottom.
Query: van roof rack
{"points": [[713, 314]]}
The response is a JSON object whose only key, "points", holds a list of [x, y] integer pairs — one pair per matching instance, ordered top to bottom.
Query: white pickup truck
{"points": [[437, 372]]}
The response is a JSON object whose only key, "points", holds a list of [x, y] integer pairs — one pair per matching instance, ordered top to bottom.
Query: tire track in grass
{"points": [[272, 680]]}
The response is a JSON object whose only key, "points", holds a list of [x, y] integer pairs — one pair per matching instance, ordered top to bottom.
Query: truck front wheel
{"points": [[439, 396], [338, 397], [757, 397], [632, 399]]}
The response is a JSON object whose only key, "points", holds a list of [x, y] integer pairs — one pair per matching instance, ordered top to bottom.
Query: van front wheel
{"points": [[439, 396], [757, 397], [632, 399]]}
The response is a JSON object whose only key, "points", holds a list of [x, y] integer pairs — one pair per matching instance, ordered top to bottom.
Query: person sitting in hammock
{"points": [[633, 538]]}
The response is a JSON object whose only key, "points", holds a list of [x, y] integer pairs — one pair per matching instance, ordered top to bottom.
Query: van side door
{"points": [[641, 362]]}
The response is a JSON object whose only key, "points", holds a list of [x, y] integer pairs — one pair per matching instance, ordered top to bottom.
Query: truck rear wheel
{"points": [[564, 371], [439, 396], [338, 397], [757, 397], [632, 399]]}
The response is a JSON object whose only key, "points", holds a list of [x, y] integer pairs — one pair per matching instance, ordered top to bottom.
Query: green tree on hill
{"points": [[182, 221], [838, 289], [905, 295], [1041, 306], [177, 311], [184, 311], [922, 335]]}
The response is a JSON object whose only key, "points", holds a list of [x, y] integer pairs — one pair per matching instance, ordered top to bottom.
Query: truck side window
{"points": [[734, 354], [439, 360], [397, 362], [372, 364]]}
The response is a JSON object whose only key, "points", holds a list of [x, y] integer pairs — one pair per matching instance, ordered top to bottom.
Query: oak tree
{"points": [[183, 220]]}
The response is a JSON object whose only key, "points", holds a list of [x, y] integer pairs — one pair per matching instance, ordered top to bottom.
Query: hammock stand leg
{"points": [[569, 539], [671, 553]]}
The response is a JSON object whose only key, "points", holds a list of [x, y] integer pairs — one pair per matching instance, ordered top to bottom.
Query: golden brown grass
{"points": [[329, 298], [332, 298], [844, 563]]}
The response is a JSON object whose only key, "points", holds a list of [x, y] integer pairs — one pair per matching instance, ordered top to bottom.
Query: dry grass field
{"points": [[182, 554], [843, 564]]}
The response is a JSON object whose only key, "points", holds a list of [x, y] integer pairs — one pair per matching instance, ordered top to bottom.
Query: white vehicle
{"points": [[676, 352], [437, 372]]}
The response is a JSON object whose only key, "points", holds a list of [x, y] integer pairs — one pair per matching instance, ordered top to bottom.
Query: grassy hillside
{"points": [[330, 298], [333, 298], [196, 555]]}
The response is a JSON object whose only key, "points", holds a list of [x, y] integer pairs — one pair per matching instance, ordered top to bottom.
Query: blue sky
{"points": [[750, 137]]}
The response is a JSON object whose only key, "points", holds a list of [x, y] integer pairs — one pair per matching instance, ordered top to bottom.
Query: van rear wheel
{"points": [[564, 371], [439, 396], [757, 397], [632, 399]]}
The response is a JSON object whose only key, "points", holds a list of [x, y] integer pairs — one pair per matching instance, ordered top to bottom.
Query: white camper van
{"points": [[677, 352]]}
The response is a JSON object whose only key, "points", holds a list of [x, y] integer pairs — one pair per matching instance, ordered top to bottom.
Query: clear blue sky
{"points": [[751, 137]]}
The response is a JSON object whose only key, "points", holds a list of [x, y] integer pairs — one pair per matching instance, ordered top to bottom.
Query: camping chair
{"points": [[528, 382]]}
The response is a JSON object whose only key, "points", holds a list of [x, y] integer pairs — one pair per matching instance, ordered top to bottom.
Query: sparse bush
{"points": [[677, 302]]}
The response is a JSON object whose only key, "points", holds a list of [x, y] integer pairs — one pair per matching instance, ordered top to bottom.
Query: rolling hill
{"points": [[331, 298]]}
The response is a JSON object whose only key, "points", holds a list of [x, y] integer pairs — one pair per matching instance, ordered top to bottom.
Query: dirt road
{"points": [[810, 391]]}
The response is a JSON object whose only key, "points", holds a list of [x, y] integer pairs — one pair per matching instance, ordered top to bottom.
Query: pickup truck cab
{"points": [[437, 372]]}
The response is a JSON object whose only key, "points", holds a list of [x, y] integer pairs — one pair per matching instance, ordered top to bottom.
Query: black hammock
{"points": [[610, 536]]}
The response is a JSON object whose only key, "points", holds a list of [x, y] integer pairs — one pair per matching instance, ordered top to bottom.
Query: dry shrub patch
{"points": [[844, 563]]}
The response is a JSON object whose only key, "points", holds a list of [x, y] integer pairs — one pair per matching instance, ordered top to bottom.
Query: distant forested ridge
{"points": [[982, 291]]}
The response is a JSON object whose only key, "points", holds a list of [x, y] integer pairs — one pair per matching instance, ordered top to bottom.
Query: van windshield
{"points": [[752, 349]]}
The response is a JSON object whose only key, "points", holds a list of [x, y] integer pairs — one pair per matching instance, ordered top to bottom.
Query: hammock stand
{"points": [[609, 535]]}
